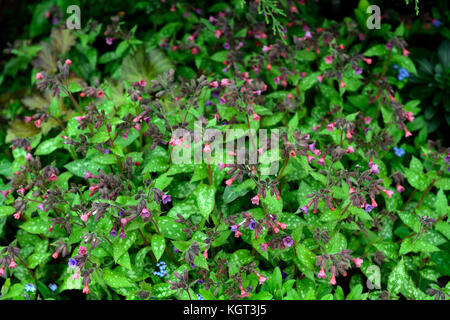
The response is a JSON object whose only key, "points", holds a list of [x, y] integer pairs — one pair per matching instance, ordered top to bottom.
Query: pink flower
{"points": [[218, 33], [266, 49], [405, 52], [328, 59], [368, 60], [68, 62], [269, 66], [39, 76], [320, 78], [224, 82], [142, 83], [214, 84], [342, 84], [100, 94], [290, 96], [256, 116], [410, 116], [79, 118], [28, 119], [38, 123], [330, 126], [407, 133], [348, 135], [207, 148], [350, 149], [292, 153], [29, 156], [310, 158], [321, 161], [221, 165], [87, 175], [53, 177], [229, 182], [400, 188], [350, 189], [93, 190], [21, 191], [389, 193], [255, 199], [374, 203], [17, 215], [85, 217], [282, 225], [237, 234], [264, 246], [82, 250], [205, 253], [55, 255], [358, 262], [12, 264], [2, 271], [322, 274], [76, 275], [261, 278], [332, 280], [86, 288], [243, 293]]}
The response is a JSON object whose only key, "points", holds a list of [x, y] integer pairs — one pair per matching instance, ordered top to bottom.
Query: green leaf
{"points": [[377, 50], [48, 146], [79, 167], [237, 190], [205, 197], [441, 203], [6, 210], [336, 244], [120, 246], [158, 246], [417, 246], [305, 256], [397, 278], [116, 279]]}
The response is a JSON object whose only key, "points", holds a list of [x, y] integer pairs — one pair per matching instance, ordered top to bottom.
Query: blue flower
{"points": [[436, 22], [402, 74], [399, 152], [252, 225], [72, 263], [29, 287], [53, 287], [199, 297]]}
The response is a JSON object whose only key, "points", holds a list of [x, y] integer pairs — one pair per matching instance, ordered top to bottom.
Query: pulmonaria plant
{"points": [[208, 158]]}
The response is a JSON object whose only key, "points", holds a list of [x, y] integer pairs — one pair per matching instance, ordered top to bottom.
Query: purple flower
{"points": [[54, 21], [109, 41], [389, 45], [226, 46], [358, 70], [215, 94], [222, 100], [207, 103], [312, 147], [106, 151], [447, 158], [221, 165], [374, 169], [87, 175], [166, 198], [42, 206], [368, 207], [304, 209], [145, 213], [252, 225], [234, 228], [113, 233], [122, 235], [288, 241], [175, 250], [72, 263], [193, 265]]}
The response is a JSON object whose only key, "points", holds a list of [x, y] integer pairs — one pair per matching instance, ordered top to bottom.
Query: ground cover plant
{"points": [[229, 150]]}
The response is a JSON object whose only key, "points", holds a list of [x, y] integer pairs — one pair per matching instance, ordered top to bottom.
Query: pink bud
{"points": [[405, 52], [328, 59], [368, 60], [68, 62], [39, 76], [342, 84], [256, 117], [38, 123], [331, 126], [348, 135], [350, 149], [310, 158], [53, 177], [229, 182], [400, 188], [389, 193], [374, 203], [17, 215], [82, 250], [205, 253], [55, 255], [86, 288]]}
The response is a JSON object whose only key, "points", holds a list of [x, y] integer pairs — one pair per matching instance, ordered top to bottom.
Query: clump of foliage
{"points": [[92, 199]]}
